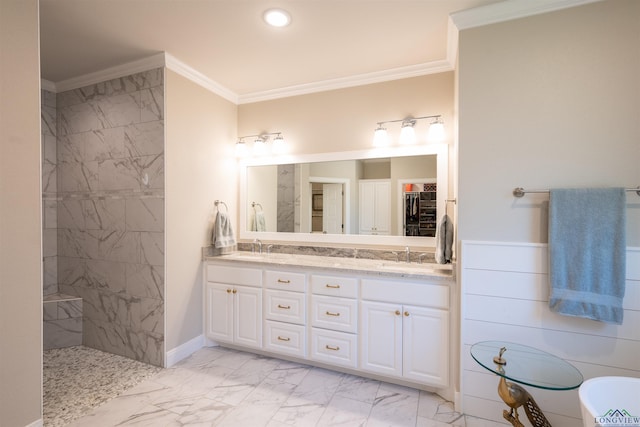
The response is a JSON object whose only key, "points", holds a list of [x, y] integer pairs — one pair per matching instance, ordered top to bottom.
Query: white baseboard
{"points": [[184, 350]]}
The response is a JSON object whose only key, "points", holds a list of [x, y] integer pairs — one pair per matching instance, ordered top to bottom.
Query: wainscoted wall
{"points": [[110, 216], [504, 290]]}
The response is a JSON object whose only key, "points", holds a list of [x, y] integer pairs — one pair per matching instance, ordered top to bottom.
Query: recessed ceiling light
{"points": [[277, 17]]}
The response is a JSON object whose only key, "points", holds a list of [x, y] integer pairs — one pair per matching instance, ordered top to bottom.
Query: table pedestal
{"points": [[515, 396]]}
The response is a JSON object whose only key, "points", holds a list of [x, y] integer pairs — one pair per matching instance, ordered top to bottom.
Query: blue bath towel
{"points": [[587, 253]]}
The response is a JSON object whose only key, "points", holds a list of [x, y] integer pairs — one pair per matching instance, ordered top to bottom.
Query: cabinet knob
{"points": [[228, 291], [235, 291], [398, 313], [406, 313], [328, 347]]}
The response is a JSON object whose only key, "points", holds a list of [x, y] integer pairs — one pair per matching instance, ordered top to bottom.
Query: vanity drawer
{"points": [[234, 275], [284, 280], [336, 286], [423, 294], [285, 306], [339, 314], [285, 338], [337, 348]]}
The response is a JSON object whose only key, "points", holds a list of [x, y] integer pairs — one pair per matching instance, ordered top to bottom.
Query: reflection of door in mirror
{"points": [[327, 211]]}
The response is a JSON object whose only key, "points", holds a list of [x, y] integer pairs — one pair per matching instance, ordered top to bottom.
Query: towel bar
{"points": [[519, 191]]}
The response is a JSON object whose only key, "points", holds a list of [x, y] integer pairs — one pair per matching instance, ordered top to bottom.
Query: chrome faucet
{"points": [[253, 246], [269, 249], [407, 253], [396, 255], [421, 257]]}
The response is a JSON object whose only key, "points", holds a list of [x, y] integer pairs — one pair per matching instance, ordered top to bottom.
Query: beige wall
{"points": [[547, 101], [344, 119], [199, 168], [20, 216]]}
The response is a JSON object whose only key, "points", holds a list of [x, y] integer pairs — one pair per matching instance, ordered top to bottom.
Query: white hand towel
{"points": [[222, 232]]}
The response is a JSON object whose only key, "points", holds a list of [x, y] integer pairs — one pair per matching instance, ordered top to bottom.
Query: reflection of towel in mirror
{"points": [[258, 222], [222, 232], [444, 240]]}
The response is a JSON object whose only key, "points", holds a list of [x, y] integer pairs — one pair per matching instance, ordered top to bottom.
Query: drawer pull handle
{"points": [[284, 281], [332, 286], [286, 307], [398, 313], [406, 313], [332, 314], [284, 339], [328, 347]]}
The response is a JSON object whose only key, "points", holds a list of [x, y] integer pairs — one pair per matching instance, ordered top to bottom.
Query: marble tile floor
{"points": [[222, 387]]}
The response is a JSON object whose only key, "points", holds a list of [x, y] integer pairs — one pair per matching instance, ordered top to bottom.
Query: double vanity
{"points": [[381, 319]]}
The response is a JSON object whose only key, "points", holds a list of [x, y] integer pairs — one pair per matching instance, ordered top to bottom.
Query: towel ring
{"points": [[218, 202], [254, 204]]}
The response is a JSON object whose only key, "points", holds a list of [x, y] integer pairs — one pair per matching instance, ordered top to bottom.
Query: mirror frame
{"points": [[440, 150]]}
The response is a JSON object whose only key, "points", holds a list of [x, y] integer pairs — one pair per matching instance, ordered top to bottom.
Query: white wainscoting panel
{"points": [[505, 297]]}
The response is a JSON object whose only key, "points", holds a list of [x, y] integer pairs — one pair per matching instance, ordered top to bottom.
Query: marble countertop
{"points": [[371, 267]]}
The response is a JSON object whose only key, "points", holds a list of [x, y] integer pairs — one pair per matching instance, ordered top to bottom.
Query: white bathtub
{"points": [[610, 401]]}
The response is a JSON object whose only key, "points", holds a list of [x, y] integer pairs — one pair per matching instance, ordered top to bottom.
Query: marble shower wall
{"points": [[49, 193], [286, 198], [110, 213]]}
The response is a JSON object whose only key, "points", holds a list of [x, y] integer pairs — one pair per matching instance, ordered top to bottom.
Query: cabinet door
{"points": [[382, 207], [367, 208], [247, 304], [219, 312], [381, 338], [425, 345]]}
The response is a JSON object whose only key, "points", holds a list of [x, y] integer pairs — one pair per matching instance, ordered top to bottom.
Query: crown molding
{"points": [[508, 10], [110, 73], [197, 77], [344, 82], [48, 86]]}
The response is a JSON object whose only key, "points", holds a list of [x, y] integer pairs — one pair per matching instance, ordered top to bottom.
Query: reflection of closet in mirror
{"points": [[419, 208]]}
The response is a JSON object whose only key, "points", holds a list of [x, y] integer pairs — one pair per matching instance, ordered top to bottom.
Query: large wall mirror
{"points": [[392, 196]]}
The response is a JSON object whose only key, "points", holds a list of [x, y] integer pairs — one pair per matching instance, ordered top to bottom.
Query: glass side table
{"points": [[525, 365]]}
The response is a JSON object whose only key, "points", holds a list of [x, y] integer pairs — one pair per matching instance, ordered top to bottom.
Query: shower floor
{"points": [[77, 379]]}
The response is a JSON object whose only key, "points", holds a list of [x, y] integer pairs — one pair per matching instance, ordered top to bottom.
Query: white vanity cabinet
{"points": [[375, 206], [233, 298], [285, 313], [334, 319], [362, 322], [404, 330]]}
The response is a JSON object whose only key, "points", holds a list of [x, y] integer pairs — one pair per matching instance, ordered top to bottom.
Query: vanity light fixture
{"points": [[277, 17], [436, 130], [407, 131], [380, 137], [260, 144]]}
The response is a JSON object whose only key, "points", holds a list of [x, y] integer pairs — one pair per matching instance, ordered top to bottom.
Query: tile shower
{"points": [[103, 201]]}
